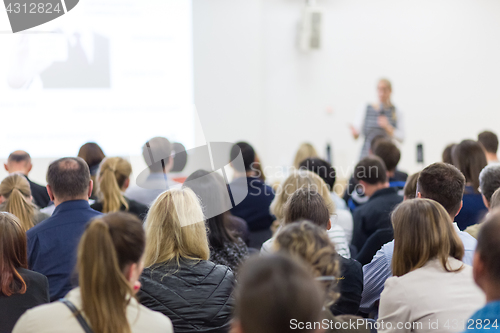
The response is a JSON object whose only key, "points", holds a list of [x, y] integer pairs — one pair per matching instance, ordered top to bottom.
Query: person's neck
{"points": [[491, 157], [19, 171], [247, 174], [376, 187], [57, 202], [492, 292]]}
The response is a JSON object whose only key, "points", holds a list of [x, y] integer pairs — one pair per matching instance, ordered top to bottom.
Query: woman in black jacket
{"points": [[178, 280], [20, 288]]}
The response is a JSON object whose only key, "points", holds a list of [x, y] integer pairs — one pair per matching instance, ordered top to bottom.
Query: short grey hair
{"points": [[489, 180]]}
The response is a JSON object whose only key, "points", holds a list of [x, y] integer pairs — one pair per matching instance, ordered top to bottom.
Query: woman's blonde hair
{"points": [[305, 151], [113, 172], [298, 179], [16, 190], [176, 228], [423, 230], [310, 243], [109, 245]]}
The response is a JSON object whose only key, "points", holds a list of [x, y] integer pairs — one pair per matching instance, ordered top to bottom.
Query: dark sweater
{"points": [[134, 207], [473, 209], [375, 214], [350, 286], [13, 307]]}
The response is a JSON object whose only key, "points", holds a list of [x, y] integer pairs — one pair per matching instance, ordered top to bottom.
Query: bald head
{"points": [[18, 162], [69, 179]]}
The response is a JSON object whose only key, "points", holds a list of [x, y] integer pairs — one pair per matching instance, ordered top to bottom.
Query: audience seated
{"points": [[489, 140], [305, 151], [157, 154], [390, 154], [93, 155], [446, 156], [469, 157], [20, 162], [325, 170], [371, 174], [112, 180], [311, 181], [489, 182], [443, 183], [410, 190], [15, 198], [254, 208], [309, 241], [52, 243], [226, 248], [109, 266], [487, 274], [178, 280], [431, 285], [20, 289], [290, 294]]}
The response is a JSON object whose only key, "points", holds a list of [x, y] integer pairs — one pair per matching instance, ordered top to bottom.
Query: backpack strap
{"points": [[83, 323]]}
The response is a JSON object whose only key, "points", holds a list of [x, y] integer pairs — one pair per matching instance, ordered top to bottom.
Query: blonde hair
{"points": [[386, 82], [305, 151], [113, 172], [298, 179], [16, 190], [495, 199], [176, 228], [423, 230], [311, 244], [108, 246]]}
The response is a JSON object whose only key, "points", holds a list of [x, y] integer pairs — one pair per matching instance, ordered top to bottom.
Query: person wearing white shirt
{"points": [[432, 289]]}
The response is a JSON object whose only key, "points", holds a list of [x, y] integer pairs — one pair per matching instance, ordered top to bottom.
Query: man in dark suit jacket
{"points": [[20, 162], [375, 214], [52, 244]]}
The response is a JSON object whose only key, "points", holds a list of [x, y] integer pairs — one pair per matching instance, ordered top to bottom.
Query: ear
{"points": [[169, 165], [30, 166], [6, 167], [126, 184], [91, 187], [51, 194], [419, 195], [2, 199], [486, 203], [461, 205], [329, 225], [478, 269], [236, 326]]}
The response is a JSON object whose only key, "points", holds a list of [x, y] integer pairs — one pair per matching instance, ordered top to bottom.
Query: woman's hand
{"points": [[383, 122], [354, 132]]}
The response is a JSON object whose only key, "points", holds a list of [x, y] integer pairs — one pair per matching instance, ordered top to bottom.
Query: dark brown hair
{"points": [[489, 140], [388, 152], [91, 153], [446, 156], [469, 157], [322, 168], [371, 170], [68, 177], [443, 183], [410, 190], [305, 204], [423, 231], [109, 244], [488, 244], [13, 255], [274, 290]]}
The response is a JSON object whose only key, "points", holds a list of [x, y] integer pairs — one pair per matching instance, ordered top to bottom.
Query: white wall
{"points": [[442, 57]]}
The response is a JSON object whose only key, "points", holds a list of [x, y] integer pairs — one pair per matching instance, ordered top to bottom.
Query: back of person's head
{"points": [[376, 139], [489, 140], [306, 150], [388, 152], [156, 153], [247, 153], [92, 154], [446, 156], [469, 157], [180, 159], [18, 161], [322, 168], [371, 170], [114, 172], [69, 178], [300, 178], [489, 180], [443, 183], [16, 190], [410, 190], [212, 191], [495, 200], [306, 204], [176, 228], [423, 231], [311, 244], [110, 249], [488, 250], [13, 255], [274, 291]]}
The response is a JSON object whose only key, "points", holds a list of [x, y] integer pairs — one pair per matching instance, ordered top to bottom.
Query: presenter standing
{"points": [[380, 119]]}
